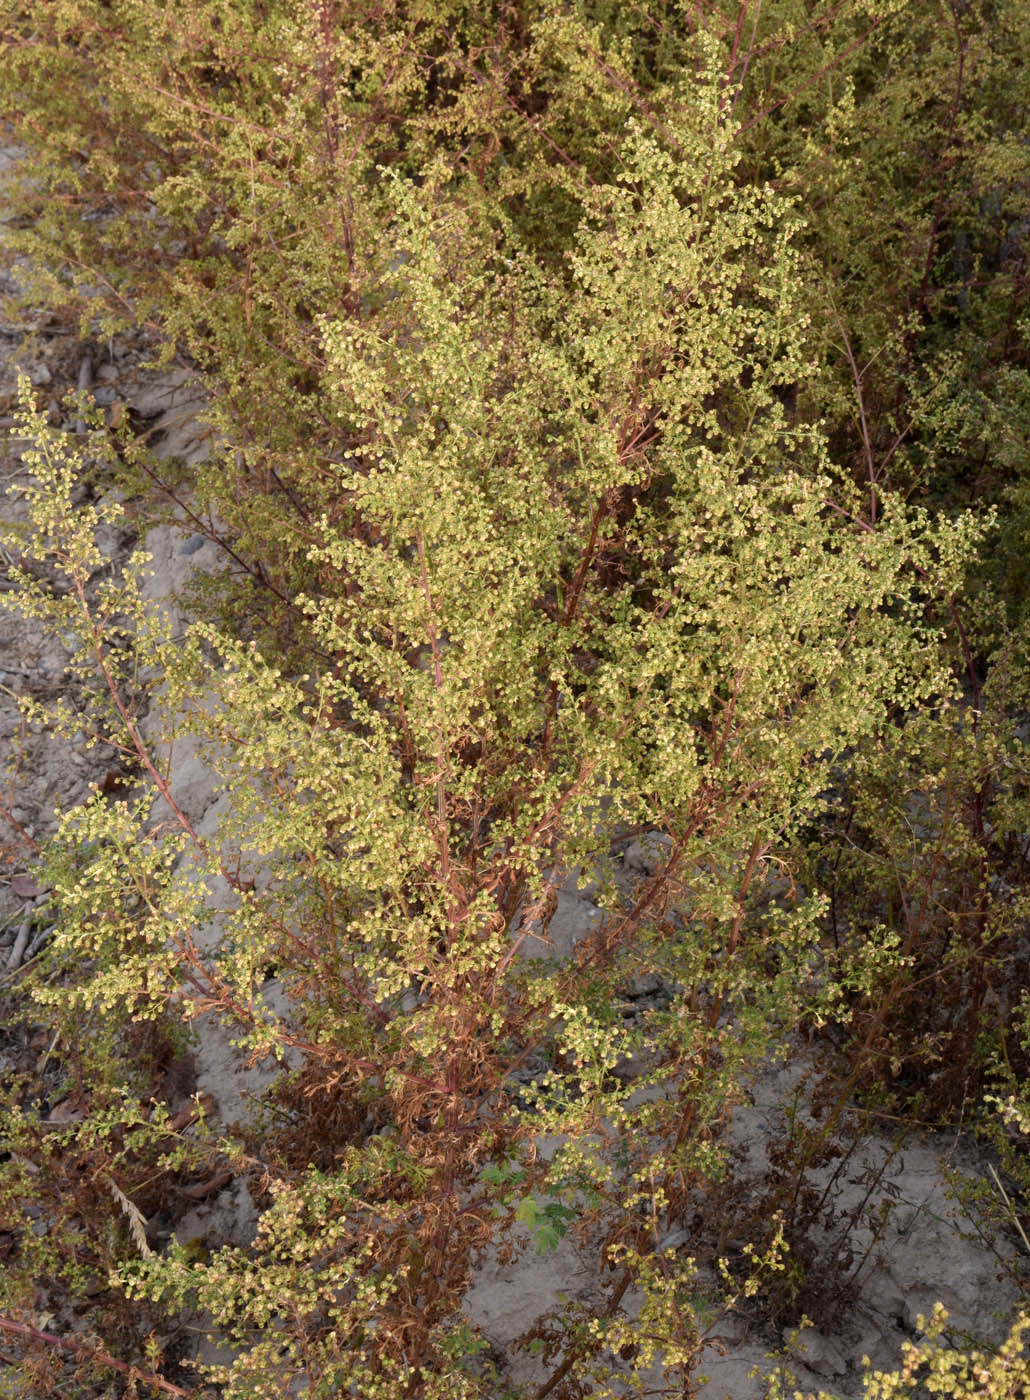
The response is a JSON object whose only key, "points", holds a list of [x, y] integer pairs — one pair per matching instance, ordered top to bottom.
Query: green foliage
{"points": [[596, 394], [930, 1367]]}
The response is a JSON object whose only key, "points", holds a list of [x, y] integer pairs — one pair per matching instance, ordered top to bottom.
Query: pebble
{"points": [[40, 375], [193, 544], [649, 853], [645, 985], [631, 1067], [674, 1240], [816, 1351]]}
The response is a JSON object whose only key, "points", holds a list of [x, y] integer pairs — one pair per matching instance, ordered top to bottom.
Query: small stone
{"points": [[40, 375], [193, 544], [650, 853], [645, 985], [631, 1067], [66, 1112], [815, 1350]]}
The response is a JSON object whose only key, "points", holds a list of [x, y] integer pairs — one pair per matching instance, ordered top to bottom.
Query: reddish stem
{"points": [[101, 1358]]}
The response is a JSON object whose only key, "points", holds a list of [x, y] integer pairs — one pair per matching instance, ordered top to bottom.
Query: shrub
{"points": [[540, 552]]}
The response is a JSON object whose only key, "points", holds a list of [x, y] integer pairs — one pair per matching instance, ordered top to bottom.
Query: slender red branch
{"points": [[747, 58], [796, 92], [938, 212], [867, 442], [569, 610], [442, 837], [94, 1354]]}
